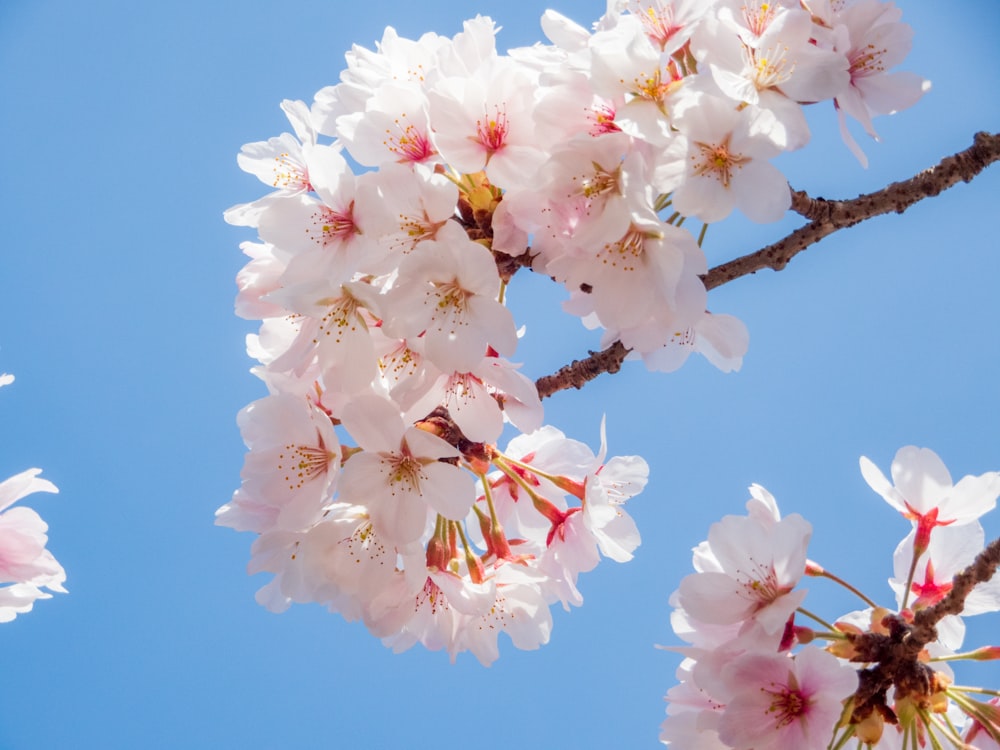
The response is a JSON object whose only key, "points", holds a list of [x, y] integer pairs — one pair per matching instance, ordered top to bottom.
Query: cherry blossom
{"points": [[873, 39], [484, 122], [727, 162], [449, 292], [291, 470], [400, 477], [374, 481], [923, 492], [951, 550], [25, 563], [27, 568], [754, 574], [746, 684], [781, 702]]}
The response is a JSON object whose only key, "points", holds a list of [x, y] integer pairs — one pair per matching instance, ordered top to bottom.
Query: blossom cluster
{"points": [[373, 479], [27, 568], [755, 676]]}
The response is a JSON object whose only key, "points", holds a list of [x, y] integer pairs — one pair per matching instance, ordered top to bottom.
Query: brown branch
{"points": [[826, 217], [582, 371], [982, 570], [896, 657]]}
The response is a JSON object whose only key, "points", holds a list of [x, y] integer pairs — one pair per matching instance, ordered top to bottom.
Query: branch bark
{"points": [[828, 217], [825, 218], [982, 569], [895, 657]]}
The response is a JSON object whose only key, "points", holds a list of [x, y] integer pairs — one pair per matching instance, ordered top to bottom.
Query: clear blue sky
{"points": [[121, 122]]}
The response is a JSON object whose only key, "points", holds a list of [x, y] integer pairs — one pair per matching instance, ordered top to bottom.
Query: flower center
{"points": [[758, 18], [658, 22], [866, 61], [771, 67], [657, 87], [603, 118], [492, 131], [410, 144], [718, 161], [289, 174], [599, 182], [329, 226], [627, 253], [451, 296], [343, 316], [303, 463], [404, 470], [761, 586], [929, 592], [431, 596], [787, 705]]}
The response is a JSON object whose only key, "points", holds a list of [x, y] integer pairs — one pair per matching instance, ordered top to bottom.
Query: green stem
{"points": [[701, 234], [527, 467], [488, 494], [849, 587], [817, 618], [979, 690], [836, 744]]}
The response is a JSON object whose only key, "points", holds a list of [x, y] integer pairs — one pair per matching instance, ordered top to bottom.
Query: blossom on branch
{"points": [[386, 342], [756, 676]]}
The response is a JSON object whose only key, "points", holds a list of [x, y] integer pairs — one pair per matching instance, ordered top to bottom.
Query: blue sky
{"points": [[121, 123]]}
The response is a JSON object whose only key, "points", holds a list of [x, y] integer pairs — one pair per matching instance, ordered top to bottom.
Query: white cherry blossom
{"points": [[871, 36], [727, 162], [448, 291], [400, 476], [25, 563], [757, 570]]}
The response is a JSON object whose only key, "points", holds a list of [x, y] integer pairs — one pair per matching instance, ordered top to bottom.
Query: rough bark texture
{"points": [[826, 217], [895, 658]]}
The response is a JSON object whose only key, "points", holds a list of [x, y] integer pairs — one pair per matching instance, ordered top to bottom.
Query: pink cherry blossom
{"points": [[871, 36], [485, 122], [727, 162], [448, 291], [291, 471], [400, 476], [24, 560], [755, 571], [779, 702]]}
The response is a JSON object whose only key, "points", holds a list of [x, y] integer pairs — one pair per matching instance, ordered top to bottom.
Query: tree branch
{"points": [[829, 216], [826, 217], [582, 371], [981, 570], [896, 657]]}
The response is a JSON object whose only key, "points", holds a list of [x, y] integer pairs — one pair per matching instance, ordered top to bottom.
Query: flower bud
{"points": [[869, 729]]}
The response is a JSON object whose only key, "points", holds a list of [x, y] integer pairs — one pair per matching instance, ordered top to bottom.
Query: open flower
{"points": [[399, 476], [923, 492], [754, 569], [784, 702]]}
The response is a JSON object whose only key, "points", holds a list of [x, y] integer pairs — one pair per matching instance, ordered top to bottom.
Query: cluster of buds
{"points": [[374, 480], [755, 677]]}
